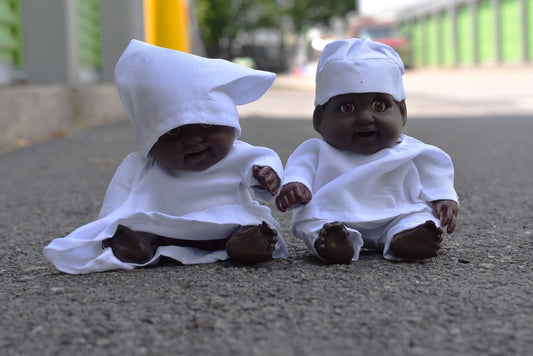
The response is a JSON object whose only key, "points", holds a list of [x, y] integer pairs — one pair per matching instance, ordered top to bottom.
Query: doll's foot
{"points": [[418, 243], [252, 244], [333, 244], [131, 246]]}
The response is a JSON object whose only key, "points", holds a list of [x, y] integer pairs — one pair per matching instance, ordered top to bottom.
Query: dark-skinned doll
{"points": [[365, 184], [191, 193]]}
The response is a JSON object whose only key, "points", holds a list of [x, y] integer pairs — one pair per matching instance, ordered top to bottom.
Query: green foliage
{"points": [[308, 13], [225, 19]]}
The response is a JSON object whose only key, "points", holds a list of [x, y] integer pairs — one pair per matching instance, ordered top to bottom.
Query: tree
{"points": [[309, 13], [220, 21]]}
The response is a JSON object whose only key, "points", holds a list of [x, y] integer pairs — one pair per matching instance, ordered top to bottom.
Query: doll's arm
{"points": [[300, 173], [436, 173], [267, 177], [291, 194], [446, 212]]}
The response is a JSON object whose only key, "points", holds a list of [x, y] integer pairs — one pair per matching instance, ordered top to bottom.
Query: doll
{"points": [[365, 184], [190, 192]]}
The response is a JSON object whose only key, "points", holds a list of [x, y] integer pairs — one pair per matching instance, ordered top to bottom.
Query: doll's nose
{"points": [[364, 117], [195, 138]]}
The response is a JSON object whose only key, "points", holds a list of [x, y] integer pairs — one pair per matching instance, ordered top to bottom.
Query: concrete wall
{"points": [[52, 96], [38, 112]]}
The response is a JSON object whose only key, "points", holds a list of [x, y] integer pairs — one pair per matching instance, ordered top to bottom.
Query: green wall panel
{"points": [[529, 28], [465, 34], [89, 36], [446, 37], [511, 37], [487, 39], [432, 40], [418, 44], [11, 48]]}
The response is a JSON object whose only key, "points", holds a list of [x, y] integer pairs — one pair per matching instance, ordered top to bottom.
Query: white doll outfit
{"points": [[358, 66], [162, 89], [375, 196]]}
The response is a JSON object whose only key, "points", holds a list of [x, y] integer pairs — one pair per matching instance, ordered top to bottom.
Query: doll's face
{"points": [[361, 123], [193, 147]]}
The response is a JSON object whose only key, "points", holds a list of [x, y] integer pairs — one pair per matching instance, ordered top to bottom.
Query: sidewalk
{"points": [[477, 91], [473, 92]]}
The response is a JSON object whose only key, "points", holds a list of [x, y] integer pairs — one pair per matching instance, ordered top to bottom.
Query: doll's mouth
{"points": [[365, 134], [197, 155]]}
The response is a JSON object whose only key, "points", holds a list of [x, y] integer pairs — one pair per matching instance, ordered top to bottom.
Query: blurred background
{"points": [[57, 56]]}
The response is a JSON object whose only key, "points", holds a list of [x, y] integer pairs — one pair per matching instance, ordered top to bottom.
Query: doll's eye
{"points": [[379, 106], [347, 108], [174, 131]]}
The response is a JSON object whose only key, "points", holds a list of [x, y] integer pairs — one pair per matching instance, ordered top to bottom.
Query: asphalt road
{"points": [[475, 298]]}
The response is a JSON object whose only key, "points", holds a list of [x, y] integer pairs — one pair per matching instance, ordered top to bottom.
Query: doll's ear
{"points": [[403, 111], [317, 117]]}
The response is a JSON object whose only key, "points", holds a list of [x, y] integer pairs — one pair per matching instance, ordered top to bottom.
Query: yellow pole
{"points": [[148, 21], [166, 24]]}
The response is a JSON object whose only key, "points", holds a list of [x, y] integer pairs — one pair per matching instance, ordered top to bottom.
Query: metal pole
{"points": [[167, 23]]}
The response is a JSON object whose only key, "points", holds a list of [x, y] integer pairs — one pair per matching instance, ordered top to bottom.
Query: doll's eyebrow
{"points": [[383, 97]]}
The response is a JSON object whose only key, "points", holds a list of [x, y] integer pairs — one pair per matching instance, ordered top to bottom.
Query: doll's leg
{"points": [[418, 243], [252, 244], [333, 244], [132, 246], [139, 246]]}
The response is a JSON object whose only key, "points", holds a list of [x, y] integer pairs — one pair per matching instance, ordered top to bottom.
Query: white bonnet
{"points": [[358, 66], [162, 88]]}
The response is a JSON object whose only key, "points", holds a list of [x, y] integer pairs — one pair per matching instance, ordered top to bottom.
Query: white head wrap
{"points": [[358, 66], [162, 89]]}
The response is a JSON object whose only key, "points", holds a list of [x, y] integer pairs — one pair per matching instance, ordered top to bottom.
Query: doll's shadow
{"points": [[368, 254], [364, 255], [304, 257], [165, 261], [169, 262]]}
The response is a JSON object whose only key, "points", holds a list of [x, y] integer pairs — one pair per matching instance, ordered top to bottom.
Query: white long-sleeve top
{"points": [[355, 188], [192, 205]]}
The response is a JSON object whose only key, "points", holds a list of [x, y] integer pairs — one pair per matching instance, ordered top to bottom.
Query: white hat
{"points": [[358, 66], [162, 89]]}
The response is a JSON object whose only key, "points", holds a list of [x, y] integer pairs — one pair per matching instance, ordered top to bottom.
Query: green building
{"points": [[469, 32]]}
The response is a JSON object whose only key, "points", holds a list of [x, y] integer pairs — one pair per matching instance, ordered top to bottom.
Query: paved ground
{"points": [[473, 92], [475, 298]]}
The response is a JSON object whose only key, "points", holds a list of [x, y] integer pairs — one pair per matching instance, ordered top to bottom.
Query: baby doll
{"points": [[366, 184], [188, 194]]}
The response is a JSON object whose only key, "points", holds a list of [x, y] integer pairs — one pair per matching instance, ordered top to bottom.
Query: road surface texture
{"points": [[475, 298]]}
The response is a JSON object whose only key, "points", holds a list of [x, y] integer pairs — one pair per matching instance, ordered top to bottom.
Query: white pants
{"points": [[375, 234]]}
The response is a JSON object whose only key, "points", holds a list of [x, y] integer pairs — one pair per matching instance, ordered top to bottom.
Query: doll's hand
{"points": [[267, 177], [291, 194], [446, 212]]}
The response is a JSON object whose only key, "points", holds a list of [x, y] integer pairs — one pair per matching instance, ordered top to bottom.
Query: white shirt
{"points": [[355, 188], [192, 205]]}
